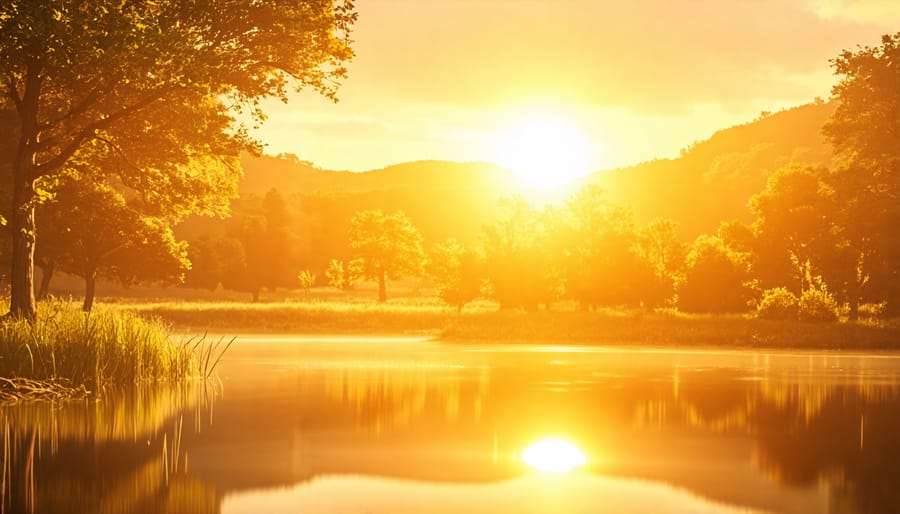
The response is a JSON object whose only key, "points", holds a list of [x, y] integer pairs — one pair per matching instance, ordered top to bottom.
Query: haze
{"points": [[442, 79]]}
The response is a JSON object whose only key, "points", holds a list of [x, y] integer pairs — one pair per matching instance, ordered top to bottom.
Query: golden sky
{"points": [[444, 79]]}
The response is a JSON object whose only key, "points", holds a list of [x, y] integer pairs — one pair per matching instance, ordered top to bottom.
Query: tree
{"points": [[114, 78], [865, 126], [865, 133], [794, 225], [90, 231], [388, 245], [659, 246], [517, 257], [217, 261], [604, 263], [206, 270], [456, 272], [716, 279], [307, 280]]}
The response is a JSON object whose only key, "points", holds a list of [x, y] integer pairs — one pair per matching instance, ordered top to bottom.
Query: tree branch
{"points": [[78, 108], [89, 132]]}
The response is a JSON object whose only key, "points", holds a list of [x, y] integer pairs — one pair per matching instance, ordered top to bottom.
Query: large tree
{"points": [[152, 85], [865, 133], [793, 227], [388, 245], [605, 265], [717, 279]]}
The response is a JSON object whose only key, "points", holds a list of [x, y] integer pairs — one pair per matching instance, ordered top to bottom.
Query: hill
{"points": [[291, 175], [713, 179], [711, 182]]}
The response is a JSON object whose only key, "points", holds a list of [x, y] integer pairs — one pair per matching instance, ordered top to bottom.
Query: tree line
{"points": [[100, 165], [821, 237]]}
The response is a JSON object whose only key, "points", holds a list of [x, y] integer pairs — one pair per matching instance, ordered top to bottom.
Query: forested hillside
{"points": [[713, 179], [291, 216]]}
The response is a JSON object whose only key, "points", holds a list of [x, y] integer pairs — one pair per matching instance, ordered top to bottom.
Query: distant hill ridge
{"points": [[291, 176], [711, 182]]}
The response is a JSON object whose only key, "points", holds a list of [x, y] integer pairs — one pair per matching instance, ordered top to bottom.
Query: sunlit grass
{"points": [[364, 316], [483, 322], [65, 346]]}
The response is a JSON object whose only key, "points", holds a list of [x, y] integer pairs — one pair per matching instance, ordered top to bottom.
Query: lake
{"points": [[380, 425]]}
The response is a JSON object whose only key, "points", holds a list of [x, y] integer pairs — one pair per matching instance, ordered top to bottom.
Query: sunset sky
{"points": [[636, 79]]}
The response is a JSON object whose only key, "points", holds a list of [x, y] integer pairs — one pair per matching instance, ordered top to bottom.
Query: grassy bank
{"points": [[317, 317], [484, 323], [669, 329], [66, 352]]}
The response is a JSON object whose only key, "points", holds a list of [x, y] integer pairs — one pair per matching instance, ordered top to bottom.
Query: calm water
{"points": [[381, 426]]}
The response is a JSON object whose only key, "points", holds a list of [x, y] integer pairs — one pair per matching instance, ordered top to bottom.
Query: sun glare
{"points": [[545, 152], [553, 456]]}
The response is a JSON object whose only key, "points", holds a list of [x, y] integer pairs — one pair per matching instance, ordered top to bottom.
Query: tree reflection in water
{"points": [[774, 433], [120, 454]]}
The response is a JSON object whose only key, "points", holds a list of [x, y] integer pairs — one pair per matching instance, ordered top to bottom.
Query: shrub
{"points": [[307, 280], [778, 304], [818, 305]]}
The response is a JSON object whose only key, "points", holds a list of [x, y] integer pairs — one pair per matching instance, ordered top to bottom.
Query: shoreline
{"points": [[609, 328]]}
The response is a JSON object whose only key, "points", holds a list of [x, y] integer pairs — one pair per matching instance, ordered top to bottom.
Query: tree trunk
{"points": [[47, 270], [382, 287], [90, 289], [21, 296]]}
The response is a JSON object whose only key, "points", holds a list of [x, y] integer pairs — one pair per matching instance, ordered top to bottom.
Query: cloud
{"points": [[878, 12], [647, 55]]}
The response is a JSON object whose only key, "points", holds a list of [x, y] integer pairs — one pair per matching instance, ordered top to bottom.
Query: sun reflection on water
{"points": [[553, 455]]}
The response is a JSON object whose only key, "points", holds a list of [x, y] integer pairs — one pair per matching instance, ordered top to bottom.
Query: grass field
{"points": [[483, 322]]}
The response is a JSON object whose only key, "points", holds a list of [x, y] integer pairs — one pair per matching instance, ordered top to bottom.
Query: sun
{"points": [[545, 151], [553, 455]]}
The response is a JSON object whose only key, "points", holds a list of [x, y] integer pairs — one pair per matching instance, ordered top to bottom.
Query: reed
{"points": [[88, 351]]}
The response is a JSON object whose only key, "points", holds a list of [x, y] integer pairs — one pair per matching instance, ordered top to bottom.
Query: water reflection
{"points": [[352, 427], [122, 454], [553, 455]]}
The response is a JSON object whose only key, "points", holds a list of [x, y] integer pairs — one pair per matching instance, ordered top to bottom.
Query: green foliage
{"points": [[152, 92], [866, 123], [865, 132], [794, 222], [89, 230], [388, 245], [659, 247], [518, 256], [214, 261], [456, 271], [342, 275], [717, 279], [307, 280], [778, 304], [818, 305], [104, 347]]}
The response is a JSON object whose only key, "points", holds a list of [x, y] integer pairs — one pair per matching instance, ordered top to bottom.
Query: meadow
{"points": [[483, 322]]}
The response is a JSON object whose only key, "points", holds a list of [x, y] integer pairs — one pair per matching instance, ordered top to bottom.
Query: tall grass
{"points": [[91, 350]]}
